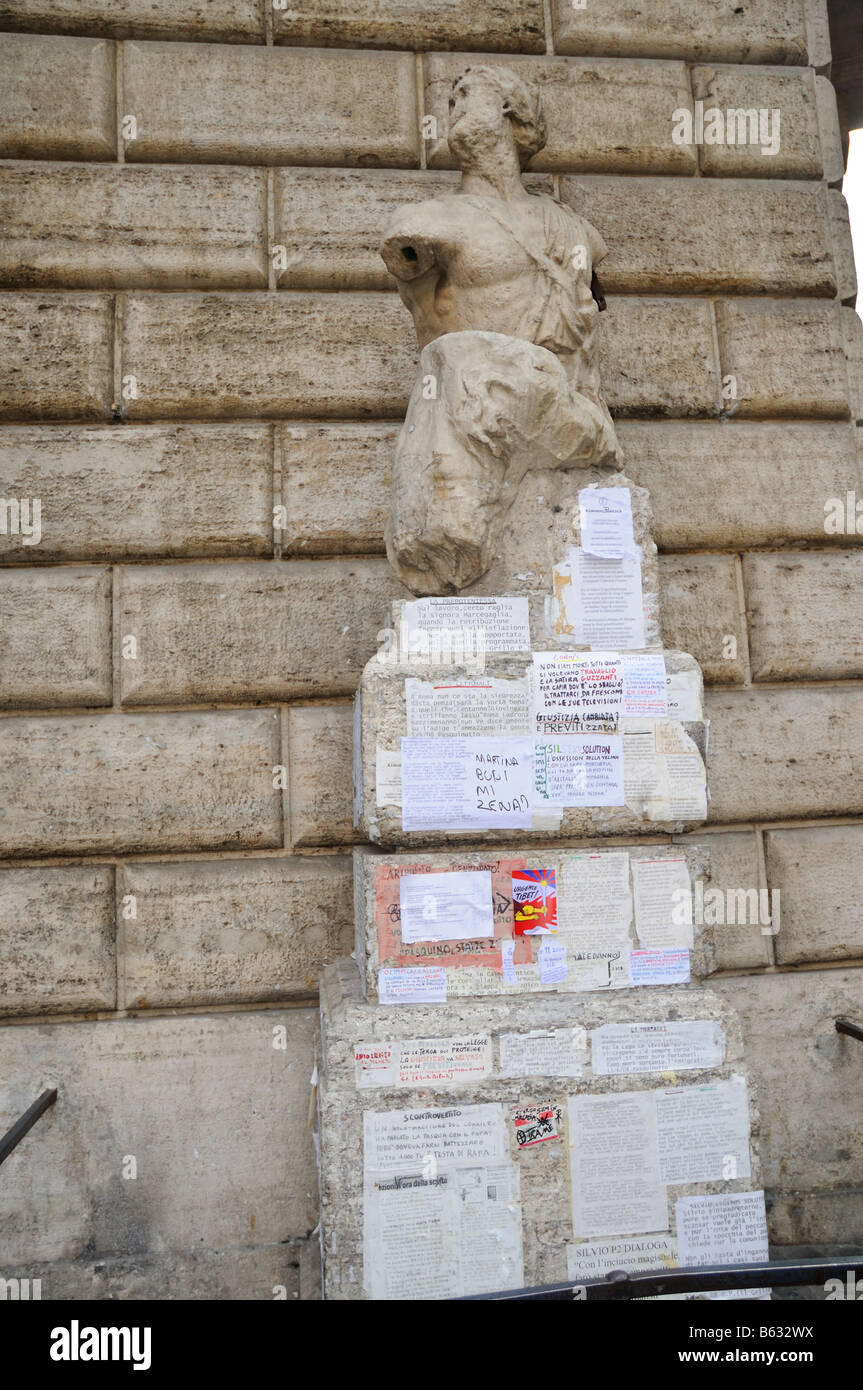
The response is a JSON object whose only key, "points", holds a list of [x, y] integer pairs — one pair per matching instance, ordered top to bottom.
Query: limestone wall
{"points": [[196, 330]]}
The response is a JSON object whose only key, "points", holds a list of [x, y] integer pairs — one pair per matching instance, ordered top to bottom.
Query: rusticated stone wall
{"points": [[197, 332]]}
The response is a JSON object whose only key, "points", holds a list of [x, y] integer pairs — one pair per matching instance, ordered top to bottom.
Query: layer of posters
{"points": [[605, 515], [605, 601], [483, 624], [645, 685], [576, 692], [683, 695], [467, 708], [579, 770], [664, 775], [388, 777], [467, 784], [663, 894], [534, 900], [455, 905], [594, 916], [479, 951], [551, 959], [659, 967], [413, 984], [623, 1049], [544, 1052], [422, 1061], [535, 1124], [703, 1132], [614, 1165], [441, 1210], [729, 1228], [594, 1259]]}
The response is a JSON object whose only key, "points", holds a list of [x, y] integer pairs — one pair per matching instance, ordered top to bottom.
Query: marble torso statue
{"points": [[500, 282]]}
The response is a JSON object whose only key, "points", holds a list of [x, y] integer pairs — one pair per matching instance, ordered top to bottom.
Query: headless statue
{"points": [[501, 285]]}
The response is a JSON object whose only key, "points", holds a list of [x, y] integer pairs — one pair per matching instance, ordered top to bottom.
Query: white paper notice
{"points": [[606, 521], [604, 602], [487, 624], [644, 685], [575, 692], [683, 695], [488, 706], [579, 770], [388, 777], [459, 783], [594, 903], [663, 903], [453, 906], [507, 954], [552, 962], [658, 967], [412, 984], [619, 1049], [544, 1052], [422, 1061], [703, 1132], [614, 1161], [442, 1217], [729, 1228], [593, 1259]]}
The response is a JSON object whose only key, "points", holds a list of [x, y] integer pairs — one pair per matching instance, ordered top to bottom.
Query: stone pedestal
{"points": [[467, 1077]]}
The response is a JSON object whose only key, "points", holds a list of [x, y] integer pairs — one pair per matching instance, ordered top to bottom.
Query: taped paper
{"points": [[450, 906], [627, 1048], [422, 1061]]}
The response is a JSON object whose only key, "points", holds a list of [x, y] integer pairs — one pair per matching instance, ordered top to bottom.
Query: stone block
{"points": [[231, 21], [493, 26], [767, 31], [58, 98], [235, 104], [604, 115], [830, 127], [791, 150], [331, 221], [118, 226], [684, 235], [843, 246], [851, 330], [58, 354], [241, 355], [656, 357], [787, 357], [729, 484], [335, 487], [155, 491], [701, 613], [804, 615], [282, 630], [55, 637], [779, 754], [320, 761], [90, 784], [661, 795], [815, 870], [236, 931], [57, 940], [741, 943], [474, 967], [810, 1088], [195, 1101], [545, 1217], [235, 1274]]}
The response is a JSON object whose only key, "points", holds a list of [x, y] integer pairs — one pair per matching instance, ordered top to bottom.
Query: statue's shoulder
{"points": [[428, 217], [569, 225]]}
